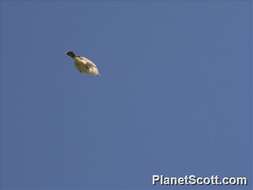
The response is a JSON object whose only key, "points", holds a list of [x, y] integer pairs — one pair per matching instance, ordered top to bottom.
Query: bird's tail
{"points": [[70, 54]]}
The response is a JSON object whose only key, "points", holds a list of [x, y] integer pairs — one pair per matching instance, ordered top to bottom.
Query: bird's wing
{"points": [[84, 58], [88, 62]]}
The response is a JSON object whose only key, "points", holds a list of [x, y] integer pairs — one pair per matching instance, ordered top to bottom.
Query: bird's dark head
{"points": [[71, 54]]}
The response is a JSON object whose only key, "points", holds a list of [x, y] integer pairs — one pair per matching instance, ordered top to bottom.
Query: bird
{"points": [[83, 64]]}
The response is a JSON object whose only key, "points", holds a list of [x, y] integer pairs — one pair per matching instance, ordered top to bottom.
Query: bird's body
{"points": [[84, 65]]}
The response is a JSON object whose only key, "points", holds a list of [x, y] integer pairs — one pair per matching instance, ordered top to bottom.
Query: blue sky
{"points": [[174, 96]]}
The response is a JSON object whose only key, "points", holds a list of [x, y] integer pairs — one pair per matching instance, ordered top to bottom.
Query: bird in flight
{"points": [[83, 64]]}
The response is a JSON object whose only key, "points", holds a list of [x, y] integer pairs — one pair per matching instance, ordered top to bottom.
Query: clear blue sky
{"points": [[174, 98]]}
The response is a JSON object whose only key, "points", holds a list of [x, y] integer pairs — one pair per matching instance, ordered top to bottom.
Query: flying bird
{"points": [[83, 64]]}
